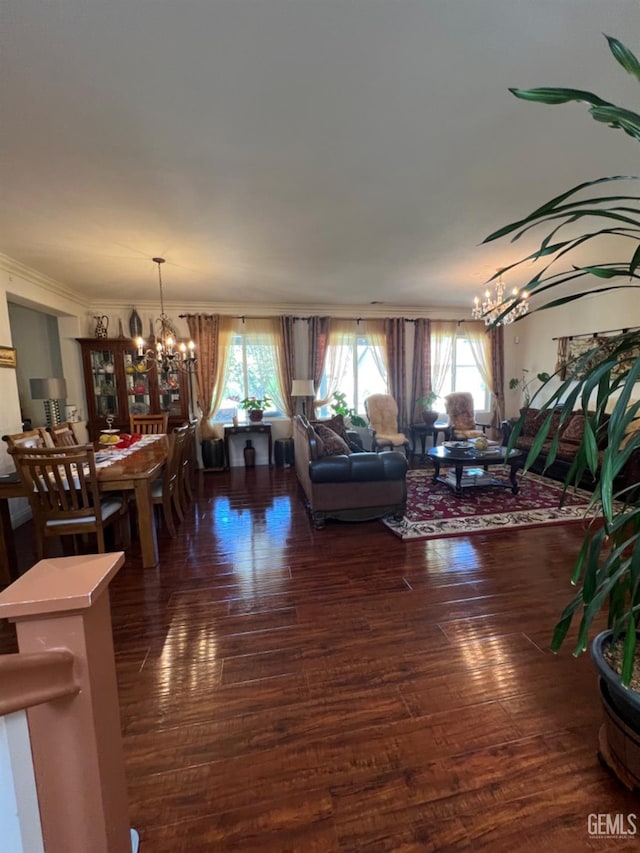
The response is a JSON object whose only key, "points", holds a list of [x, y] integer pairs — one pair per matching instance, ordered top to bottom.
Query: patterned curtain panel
{"points": [[319, 328], [394, 328], [287, 361], [421, 368]]}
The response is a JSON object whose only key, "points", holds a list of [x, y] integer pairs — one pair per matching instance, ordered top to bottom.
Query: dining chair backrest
{"points": [[149, 424], [63, 435], [30, 438], [187, 464], [62, 479], [62, 486], [166, 490]]}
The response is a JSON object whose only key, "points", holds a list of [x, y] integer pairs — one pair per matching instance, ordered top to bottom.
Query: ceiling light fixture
{"points": [[491, 307], [166, 353]]}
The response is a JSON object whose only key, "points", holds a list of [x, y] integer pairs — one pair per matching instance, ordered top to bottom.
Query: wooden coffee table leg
{"points": [[436, 465], [459, 470], [514, 483]]}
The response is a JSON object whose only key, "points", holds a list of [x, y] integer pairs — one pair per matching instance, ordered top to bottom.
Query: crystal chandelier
{"points": [[491, 307], [165, 353]]}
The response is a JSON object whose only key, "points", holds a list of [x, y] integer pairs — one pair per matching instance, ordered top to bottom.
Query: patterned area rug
{"points": [[433, 510]]}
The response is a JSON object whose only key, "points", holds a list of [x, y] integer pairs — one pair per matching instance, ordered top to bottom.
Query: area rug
{"points": [[433, 510]]}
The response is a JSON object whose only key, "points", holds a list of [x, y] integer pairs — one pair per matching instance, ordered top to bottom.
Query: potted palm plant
{"points": [[602, 383]]}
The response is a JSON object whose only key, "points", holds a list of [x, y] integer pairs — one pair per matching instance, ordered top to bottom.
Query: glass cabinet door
{"points": [[137, 378], [104, 385], [170, 391]]}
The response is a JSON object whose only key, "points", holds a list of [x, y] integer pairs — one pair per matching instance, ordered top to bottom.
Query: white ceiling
{"points": [[294, 151]]}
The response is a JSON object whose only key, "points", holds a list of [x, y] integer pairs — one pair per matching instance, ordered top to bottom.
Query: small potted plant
{"points": [[524, 384], [255, 406], [340, 407], [429, 414]]}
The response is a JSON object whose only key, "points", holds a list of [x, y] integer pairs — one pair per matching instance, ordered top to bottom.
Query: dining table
{"points": [[131, 469]]}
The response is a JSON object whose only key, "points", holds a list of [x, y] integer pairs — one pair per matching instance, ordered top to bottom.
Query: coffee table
{"points": [[459, 457]]}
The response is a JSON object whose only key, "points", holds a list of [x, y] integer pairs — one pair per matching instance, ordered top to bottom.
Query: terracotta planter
{"points": [[255, 415]]}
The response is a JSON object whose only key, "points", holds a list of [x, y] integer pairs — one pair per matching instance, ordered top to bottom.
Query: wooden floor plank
{"points": [[288, 689]]}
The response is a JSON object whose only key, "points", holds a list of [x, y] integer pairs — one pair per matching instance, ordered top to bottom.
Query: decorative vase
{"points": [[135, 324], [102, 325], [255, 415], [429, 417], [249, 455]]}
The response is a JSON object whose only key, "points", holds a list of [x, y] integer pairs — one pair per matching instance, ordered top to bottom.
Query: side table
{"points": [[256, 427], [421, 431]]}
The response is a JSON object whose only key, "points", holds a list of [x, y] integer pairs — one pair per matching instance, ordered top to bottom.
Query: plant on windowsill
{"points": [[602, 381], [255, 406], [340, 407], [429, 414]]}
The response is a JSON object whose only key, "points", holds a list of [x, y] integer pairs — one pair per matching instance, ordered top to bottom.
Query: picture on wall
{"points": [[7, 356], [577, 356]]}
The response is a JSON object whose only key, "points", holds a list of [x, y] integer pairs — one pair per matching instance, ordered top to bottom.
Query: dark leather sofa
{"points": [[348, 486]]}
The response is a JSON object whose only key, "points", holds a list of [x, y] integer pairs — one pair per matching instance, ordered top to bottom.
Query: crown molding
{"points": [[15, 268], [174, 309]]}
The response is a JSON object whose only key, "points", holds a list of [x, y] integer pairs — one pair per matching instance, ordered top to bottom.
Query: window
{"points": [[356, 367], [251, 372], [463, 375]]}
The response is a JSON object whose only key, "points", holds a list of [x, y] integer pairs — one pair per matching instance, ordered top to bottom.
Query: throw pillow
{"points": [[336, 423], [574, 430], [334, 445]]}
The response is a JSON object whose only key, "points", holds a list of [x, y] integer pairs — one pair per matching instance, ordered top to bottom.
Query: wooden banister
{"points": [[61, 607], [30, 679]]}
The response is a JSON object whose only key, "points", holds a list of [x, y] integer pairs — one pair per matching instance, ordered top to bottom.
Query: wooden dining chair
{"points": [[148, 424], [63, 435], [30, 438], [187, 466], [62, 486], [165, 491]]}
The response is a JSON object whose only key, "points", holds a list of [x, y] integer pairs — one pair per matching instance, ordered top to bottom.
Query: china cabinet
{"points": [[115, 385]]}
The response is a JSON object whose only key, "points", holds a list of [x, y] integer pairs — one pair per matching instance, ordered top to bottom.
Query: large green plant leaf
{"points": [[604, 383]]}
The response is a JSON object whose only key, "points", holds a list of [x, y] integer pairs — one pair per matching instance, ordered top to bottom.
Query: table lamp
{"points": [[303, 388], [51, 391]]}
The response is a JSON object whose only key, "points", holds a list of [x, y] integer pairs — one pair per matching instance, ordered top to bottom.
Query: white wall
{"points": [[27, 288]]}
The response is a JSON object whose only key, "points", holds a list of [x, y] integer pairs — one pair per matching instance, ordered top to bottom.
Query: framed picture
{"points": [[7, 357]]}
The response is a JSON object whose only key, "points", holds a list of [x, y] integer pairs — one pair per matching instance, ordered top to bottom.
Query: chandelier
{"points": [[516, 305], [165, 353]]}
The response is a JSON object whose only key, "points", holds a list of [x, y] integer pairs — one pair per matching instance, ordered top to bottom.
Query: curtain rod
{"points": [[355, 319], [595, 334]]}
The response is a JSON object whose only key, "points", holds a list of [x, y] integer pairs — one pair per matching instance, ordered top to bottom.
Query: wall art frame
{"points": [[8, 357]]}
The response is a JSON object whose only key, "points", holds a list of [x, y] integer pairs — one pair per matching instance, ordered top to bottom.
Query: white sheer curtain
{"points": [[374, 331], [443, 333], [480, 343], [264, 347], [337, 360]]}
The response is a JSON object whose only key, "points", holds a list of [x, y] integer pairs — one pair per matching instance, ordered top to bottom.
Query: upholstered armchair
{"points": [[382, 411], [462, 420]]}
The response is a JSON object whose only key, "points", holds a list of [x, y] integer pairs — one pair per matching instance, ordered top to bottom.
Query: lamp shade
{"points": [[302, 388], [48, 389]]}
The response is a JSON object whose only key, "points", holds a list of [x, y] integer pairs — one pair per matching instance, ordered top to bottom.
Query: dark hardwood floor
{"points": [[287, 689]]}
